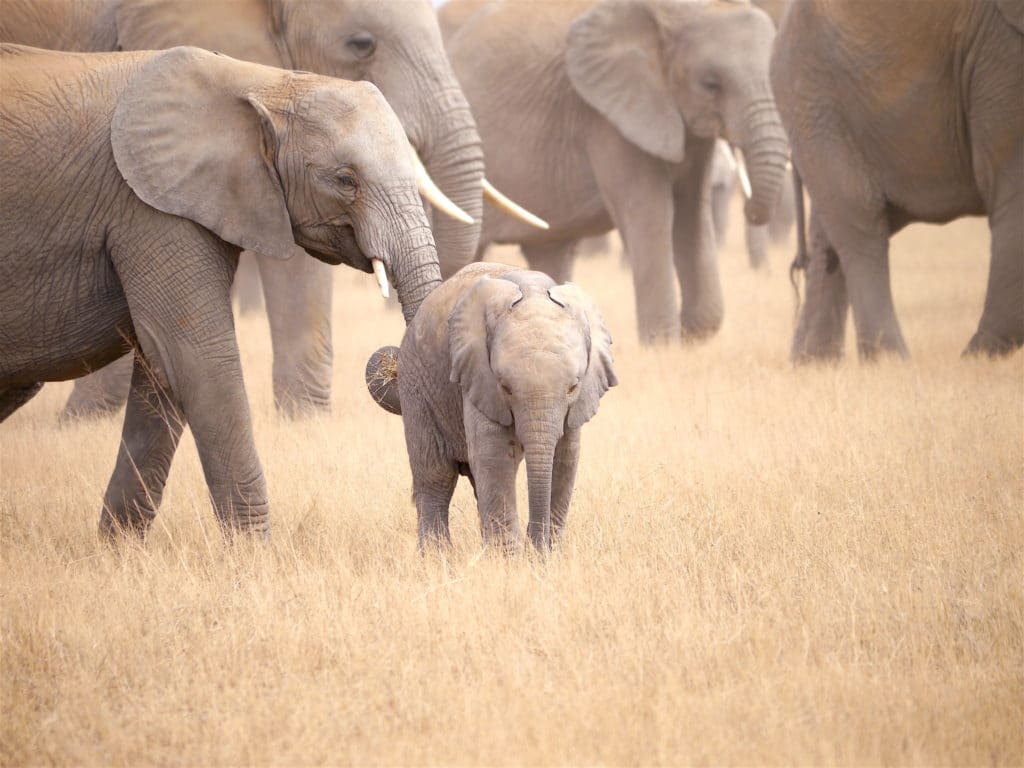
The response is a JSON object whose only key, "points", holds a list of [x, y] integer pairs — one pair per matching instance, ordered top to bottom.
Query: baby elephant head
{"points": [[529, 353]]}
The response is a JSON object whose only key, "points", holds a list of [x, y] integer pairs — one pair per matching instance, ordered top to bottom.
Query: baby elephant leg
{"points": [[100, 393], [567, 456], [494, 457]]}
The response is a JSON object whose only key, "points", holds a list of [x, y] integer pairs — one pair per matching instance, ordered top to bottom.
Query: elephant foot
{"points": [[697, 330], [993, 345], [871, 351], [301, 404], [119, 524]]}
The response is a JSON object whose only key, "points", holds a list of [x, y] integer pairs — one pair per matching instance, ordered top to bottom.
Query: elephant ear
{"points": [[1013, 12], [244, 29], [614, 60], [192, 138], [469, 342], [600, 375]]}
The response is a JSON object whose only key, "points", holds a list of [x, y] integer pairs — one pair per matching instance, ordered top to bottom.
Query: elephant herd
{"points": [[149, 145]]}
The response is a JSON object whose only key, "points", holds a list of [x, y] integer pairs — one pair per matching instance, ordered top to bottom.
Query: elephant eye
{"points": [[362, 44], [711, 84], [347, 180], [574, 387], [506, 390]]}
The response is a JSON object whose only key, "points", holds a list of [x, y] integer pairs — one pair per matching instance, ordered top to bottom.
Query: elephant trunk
{"points": [[766, 150], [455, 161], [539, 435]]}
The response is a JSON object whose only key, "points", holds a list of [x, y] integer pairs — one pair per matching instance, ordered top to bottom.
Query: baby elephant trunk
{"points": [[382, 379]]}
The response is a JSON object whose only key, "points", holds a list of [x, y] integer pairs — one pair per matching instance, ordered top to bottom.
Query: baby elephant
{"points": [[497, 364]]}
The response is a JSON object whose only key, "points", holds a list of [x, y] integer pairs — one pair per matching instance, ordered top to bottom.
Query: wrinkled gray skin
{"points": [[330, 37], [904, 112], [604, 114], [131, 183], [724, 184], [500, 364]]}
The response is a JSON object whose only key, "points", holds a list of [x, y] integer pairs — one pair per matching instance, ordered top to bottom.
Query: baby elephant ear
{"points": [[192, 139], [470, 327], [600, 375]]}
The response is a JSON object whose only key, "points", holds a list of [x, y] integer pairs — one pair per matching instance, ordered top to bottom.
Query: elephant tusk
{"points": [[730, 161], [741, 170], [435, 196], [514, 210], [382, 277]]}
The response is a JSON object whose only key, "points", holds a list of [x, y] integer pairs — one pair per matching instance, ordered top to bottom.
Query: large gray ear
{"points": [[1013, 12], [243, 29], [615, 63], [192, 139], [469, 332], [600, 375]]}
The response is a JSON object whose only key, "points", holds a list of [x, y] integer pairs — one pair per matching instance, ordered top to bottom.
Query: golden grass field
{"points": [[764, 565]]}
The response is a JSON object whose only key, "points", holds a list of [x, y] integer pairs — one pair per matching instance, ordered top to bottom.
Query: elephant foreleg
{"points": [[696, 260], [298, 294], [1001, 328], [821, 329], [100, 393], [149, 438], [494, 458], [563, 479]]}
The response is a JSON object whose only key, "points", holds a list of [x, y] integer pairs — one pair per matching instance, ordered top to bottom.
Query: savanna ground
{"points": [[764, 565]]}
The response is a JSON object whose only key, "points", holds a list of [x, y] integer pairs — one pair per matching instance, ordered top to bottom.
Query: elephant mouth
{"points": [[341, 248]]}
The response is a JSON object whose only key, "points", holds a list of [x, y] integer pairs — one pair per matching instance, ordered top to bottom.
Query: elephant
{"points": [[396, 46], [604, 114], [919, 120], [725, 173], [131, 183], [499, 363]]}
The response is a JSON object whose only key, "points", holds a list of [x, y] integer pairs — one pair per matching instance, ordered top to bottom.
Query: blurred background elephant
{"points": [[395, 45], [604, 114], [920, 120], [725, 180], [131, 183], [500, 363]]}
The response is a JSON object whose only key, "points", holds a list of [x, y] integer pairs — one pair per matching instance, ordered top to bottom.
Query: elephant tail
{"points": [[800, 260], [382, 379]]}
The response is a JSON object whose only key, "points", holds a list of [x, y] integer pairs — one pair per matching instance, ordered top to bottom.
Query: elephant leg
{"points": [[637, 190], [693, 241], [862, 241], [757, 245], [554, 259], [247, 288], [298, 294], [180, 305], [822, 325], [1001, 328], [100, 393], [13, 398], [152, 427], [494, 460], [563, 479], [432, 489]]}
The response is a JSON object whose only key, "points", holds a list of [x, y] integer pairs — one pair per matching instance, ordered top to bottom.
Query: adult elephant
{"points": [[395, 45], [900, 113], [604, 114], [131, 182]]}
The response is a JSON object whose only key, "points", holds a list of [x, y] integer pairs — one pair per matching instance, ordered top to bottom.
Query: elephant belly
{"points": [[59, 324]]}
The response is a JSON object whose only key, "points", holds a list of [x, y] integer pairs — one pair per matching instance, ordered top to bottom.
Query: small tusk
{"points": [[741, 170], [435, 196], [514, 210], [382, 277]]}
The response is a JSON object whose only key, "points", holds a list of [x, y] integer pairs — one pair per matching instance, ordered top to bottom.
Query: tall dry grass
{"points": [[764, 565]]}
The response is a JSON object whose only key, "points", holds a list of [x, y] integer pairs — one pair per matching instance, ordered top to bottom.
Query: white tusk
{"points": [[730, 161], [741, 170], [435, 196], [514, 210], [382, 277]]}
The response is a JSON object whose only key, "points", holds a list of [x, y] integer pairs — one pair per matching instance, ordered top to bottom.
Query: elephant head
{"points": [[394, 45], [660, 70], [271, 160]]}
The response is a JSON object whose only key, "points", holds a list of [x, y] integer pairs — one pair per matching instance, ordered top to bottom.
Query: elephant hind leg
{"points": [[554, 259], [822, 326], [13, 398]]}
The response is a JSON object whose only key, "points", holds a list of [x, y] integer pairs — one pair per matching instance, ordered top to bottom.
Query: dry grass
{"points": [[764, 565]]}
